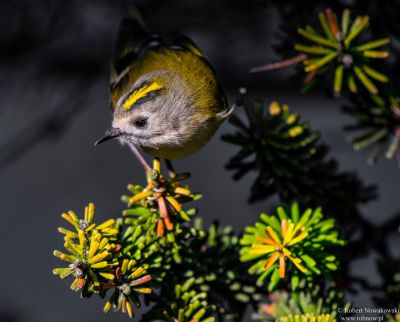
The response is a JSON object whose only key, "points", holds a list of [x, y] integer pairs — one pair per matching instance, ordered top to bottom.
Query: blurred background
{"points": [[54, 81]]}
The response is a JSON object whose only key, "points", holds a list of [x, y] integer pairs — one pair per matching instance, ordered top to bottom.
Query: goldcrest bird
{"points": [[165, 97]]}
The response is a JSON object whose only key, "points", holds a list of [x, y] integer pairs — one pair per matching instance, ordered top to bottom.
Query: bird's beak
{"points": [[110, 134]]}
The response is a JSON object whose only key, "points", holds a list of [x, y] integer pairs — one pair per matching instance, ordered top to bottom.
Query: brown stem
{"points": [[278, 65]]}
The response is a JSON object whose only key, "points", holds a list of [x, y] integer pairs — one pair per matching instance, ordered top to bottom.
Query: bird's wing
{"points": [[136, 36], [132, 40], [135, 40], [178, 41]]}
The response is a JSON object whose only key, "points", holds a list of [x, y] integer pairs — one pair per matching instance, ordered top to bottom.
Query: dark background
{"points": [[54, 65]]}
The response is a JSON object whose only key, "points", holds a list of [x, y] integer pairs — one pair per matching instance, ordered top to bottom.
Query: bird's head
{"points": [[155, 110]]}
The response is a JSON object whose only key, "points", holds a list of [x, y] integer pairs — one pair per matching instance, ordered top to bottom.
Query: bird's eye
{"points": [[140, 122]]}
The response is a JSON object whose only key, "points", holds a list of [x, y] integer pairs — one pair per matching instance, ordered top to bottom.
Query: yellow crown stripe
{"points": [[138, 94]]}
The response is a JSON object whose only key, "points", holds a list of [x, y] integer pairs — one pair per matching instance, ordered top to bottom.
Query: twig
{"points": [[278, 65]]}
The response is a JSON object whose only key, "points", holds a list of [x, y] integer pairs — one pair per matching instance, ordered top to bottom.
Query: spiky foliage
{"points": [[384, 22], [338, 53], [350, 60], [376, 124], [283, 146], [290, 161], [158, 206], [290, 243], [138, 246], [90, 249], [127, 257], [211, 258], [98, 264], [130, 280], [395, 287], [393, 292], [180, 302], [313, 302], [394, 317], [307, 318]]}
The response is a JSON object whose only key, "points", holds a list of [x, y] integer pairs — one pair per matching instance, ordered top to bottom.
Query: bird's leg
{"points": [[140, 158], [170, 167]]}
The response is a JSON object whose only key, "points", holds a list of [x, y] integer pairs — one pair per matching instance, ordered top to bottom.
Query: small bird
{"points": [[165, 97]]}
